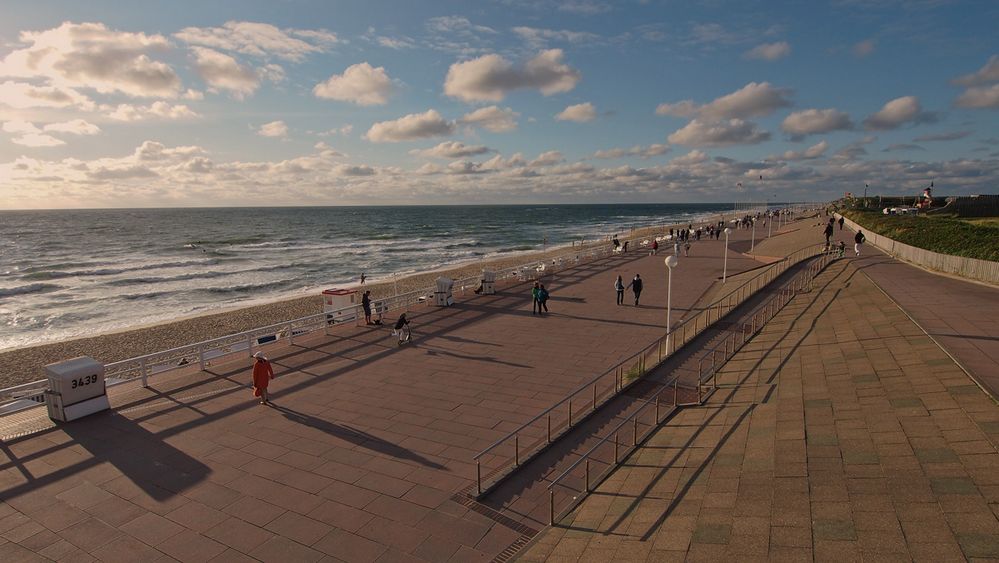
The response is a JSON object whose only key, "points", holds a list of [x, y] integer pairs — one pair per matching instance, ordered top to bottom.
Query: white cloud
{"points": [[448, 24], [539, 37], [260, 39], [863, 48], [769, 51], [89, 55], [223, 72], [983, 76], [490, 77], [361, 84], [192, 94], [21, 95], [979, 97], [752, 100], [156, 110], [579, 113], [896, 113], [492, 118], [811, 121], [75, 127], [411, 127], [273, 129], [343, 130], [700, 133], [36, 140], [452, 149], [637, 150], [812, 152], [692, 157], [548, 158], [354, 170]]}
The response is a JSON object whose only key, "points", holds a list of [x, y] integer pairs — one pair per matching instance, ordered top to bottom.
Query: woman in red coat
{"points": [[262, 374]]}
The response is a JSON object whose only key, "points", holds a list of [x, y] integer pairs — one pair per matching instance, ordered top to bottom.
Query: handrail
{"points": [[714, 309], [766, 311]]}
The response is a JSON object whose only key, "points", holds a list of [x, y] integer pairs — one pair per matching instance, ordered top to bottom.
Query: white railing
{"points": [[972, 268]]}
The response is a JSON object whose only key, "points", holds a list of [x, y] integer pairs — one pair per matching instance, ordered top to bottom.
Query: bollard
{"points": [[142, 366], [594, 396], [657, 409], [570, 414], [549, 427], [634, 435], [616, 439], [587, 475], [478, 476], [551, 507]]}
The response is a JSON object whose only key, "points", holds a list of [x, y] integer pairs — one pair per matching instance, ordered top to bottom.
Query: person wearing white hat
{"points": [[262, 374]]}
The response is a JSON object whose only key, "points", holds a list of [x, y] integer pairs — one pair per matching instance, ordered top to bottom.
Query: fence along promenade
{"points": [[971, 268], [504, 456], [572, 485]]}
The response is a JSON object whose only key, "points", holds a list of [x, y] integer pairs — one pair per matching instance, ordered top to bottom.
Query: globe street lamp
{"points": [[727, 232], [671, 263]]}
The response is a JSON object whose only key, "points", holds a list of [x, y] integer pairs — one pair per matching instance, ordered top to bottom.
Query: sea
{"points": [[72, 273]]}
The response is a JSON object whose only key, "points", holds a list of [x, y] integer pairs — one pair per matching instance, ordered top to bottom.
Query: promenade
{"points": [[842, 432], [367, 451]]}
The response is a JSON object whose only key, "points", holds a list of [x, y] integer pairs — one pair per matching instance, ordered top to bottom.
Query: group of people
{"points": [[858, 238], [635, 286]]}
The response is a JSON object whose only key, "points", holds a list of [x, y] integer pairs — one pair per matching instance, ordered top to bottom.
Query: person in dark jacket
{"points": [[841, 222], [829, 232], [858, 241], [636, 286], [619, 289], [535, 298], [542, 299], [366, 305], [401, 329]]}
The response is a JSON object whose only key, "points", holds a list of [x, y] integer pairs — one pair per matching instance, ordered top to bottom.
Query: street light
{"points": [[727, 232], [752, 245], [671, 263]]}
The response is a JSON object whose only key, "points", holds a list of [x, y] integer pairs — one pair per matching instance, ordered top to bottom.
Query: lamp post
{"points": [[770, 224], [727, 232], [752, 245], [671, 263]]}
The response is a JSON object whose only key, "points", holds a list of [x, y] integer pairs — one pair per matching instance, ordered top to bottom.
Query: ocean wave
{"points": [[55, 273], [30, 288]]}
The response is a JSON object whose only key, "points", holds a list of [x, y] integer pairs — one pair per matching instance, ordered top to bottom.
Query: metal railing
{"points": [[505, 455], [580, 478]]}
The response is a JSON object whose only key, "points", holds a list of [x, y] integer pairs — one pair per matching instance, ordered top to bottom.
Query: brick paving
{"points": [[841, 432], [364, 450]]}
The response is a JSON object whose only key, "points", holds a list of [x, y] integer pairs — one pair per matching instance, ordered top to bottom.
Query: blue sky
{"points": [[110, 104]]}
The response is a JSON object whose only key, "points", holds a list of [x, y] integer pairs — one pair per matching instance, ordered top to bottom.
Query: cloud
{"points": [[584, 7], [538, 37], [260, 40], [863, 48], [769, 51], [89, 55], [223, 72], [983, 76], [490, 77], [360, 83], [21, 95], [979, 97], [752, 100], [156, 110], [579, 113], [896, 113], [492, 118], [800, 124], [75, 127], [411, 127], [273, 129], [343, 130], [700, 133], [951, 136], [896, 147], [452, 149], [637, 150], [812, 152], [548, 158], [354, 170], [124, 173]]}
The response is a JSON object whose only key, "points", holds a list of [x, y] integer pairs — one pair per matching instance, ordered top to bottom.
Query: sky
{"points": [[372, 102]]}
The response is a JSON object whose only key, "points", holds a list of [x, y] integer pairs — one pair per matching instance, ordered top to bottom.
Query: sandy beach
{"points": [[23, 365]]}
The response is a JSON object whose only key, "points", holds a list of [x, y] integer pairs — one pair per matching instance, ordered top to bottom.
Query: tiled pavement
{"points": [[841, 433], [362, 453]]}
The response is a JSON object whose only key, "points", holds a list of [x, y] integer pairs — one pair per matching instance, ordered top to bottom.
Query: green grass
{"points": [[978, 239]]}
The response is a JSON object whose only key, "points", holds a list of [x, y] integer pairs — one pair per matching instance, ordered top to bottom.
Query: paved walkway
{"points": [[959, 314], [841, 433], [364, 450]]}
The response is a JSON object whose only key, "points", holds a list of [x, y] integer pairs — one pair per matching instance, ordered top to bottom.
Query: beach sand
{"points": [[23, 365]]}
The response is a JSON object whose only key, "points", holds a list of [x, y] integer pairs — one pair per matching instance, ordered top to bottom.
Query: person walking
{"points": [[841, 222], [828, 232], [858, 241], [655, 247], [686, 248], [363, 278], [636, 287], [619, 288], [535, 293], [542, 299], [366, 305], [401, 329], [262, 374]]}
